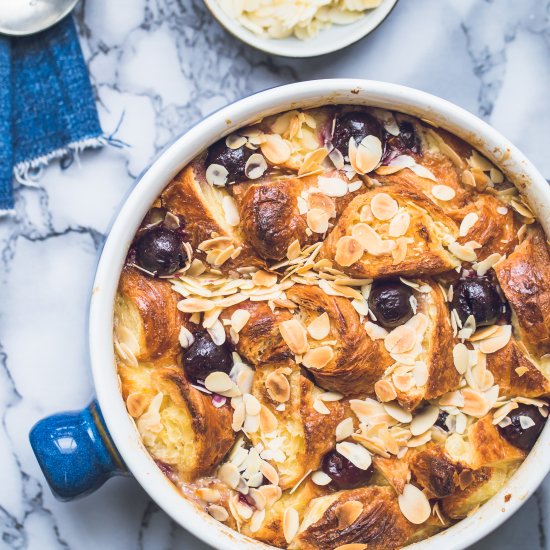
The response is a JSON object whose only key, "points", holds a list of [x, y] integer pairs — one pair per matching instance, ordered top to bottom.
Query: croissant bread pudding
{"points": [[333, 330]]}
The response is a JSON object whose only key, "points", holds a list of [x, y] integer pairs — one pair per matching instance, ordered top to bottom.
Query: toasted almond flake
{"points": [[234, 141], [275, 149], [366, 156], [312, 161], [255, 166], [216, 174], [468, 179], [332, 187], [443, 192], [321, 201], [383, 207], [521, 208], [502, 210], [231, 211], [317, 220], [467, 223], [399, 225], [369, 239], [293, 250], [348, 251], [462, 252], [399, 253], [483, 267], [264, 278], [195, 305], [239, 318], [319, 328], [375, 332], [483, 332], [217, 333], [295, 336], [185, 337], [401, 339], [497, 341], [318, 358], [461, 358], [520, 371], [420, 373], [218, 381], [403, 381], [278, 387], [385, 391], [330, 396], [475, 403], [137, 404], [252, 405], [320, 407], [398, 412], [238, 417], [424, 420], [268, 421], [526, 422], [344, 429], [418, 440], [356, 454], [269, 472], [229, 474], [320, 478], [272, 494], [208, 495], [414, 504], [219, 513], [348, 513], [257, 520], [291, 523], [352, 546]]}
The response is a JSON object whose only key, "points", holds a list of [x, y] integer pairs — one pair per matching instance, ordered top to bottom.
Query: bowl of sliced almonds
{"points": [[306, 28], [324, 327]]}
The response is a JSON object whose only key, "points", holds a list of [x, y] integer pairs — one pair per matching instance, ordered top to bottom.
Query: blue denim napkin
{"points": [[47, 108]]}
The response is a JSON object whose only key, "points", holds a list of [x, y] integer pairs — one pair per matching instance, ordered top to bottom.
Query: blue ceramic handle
{"points": [[75, 452]]}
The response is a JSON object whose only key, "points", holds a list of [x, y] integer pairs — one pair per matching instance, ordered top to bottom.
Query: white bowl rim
{"points": [[304, 48], [303, 94]]}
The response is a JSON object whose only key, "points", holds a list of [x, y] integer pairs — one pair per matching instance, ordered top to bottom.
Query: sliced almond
{"points": [[234, 141], [275, 149], [366, 156], [312, 161], [255, 166], [216, 174], [332, 187], [443, 192], [322, 202], [383, 207], [231, 211], [317, 220], [467, 223], [399, 224], [369, 239], [293, 250], [348, 251], [462, 252], [485, 265], [264, 278], [195, 305], [239, 318], [319, 328], [375, 332], [295, 336], [185, 337], [401, 339], [497, 341], [461, 357], [318, 358], [218, 381], [403, 381], [278, 387], [385, 391], [475, 403], [137, 404], [252, 405], [320, 407], [398, 412], [239, 414], [424, 420], [268, 421], [344, 429], [356, 454], [269, 472], [229, 474], [320, 478], [208, 495], [414, 504], [219, 513], [348, 513], [257, 520], [291, 523], [352, 546]]}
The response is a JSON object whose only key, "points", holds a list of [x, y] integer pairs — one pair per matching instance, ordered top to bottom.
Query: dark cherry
{"points": [[356, 124], [408, 137], [233, 160], [160, 251], [477, 297], [389, 300], [204, 357], [440, 422], [516, 435], [343, 473]]}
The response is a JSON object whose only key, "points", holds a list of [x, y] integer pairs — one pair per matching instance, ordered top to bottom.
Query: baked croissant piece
{"points": [[391, 230], [523, 277]]}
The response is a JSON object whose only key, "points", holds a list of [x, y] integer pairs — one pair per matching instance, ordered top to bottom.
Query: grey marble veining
{"points": [[158, 66]]}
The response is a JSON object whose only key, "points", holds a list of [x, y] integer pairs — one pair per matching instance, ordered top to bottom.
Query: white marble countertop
{"points": [[158, 66]]}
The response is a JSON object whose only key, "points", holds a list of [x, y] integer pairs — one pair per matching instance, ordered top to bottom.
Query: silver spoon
{"points": [[20, 17]]}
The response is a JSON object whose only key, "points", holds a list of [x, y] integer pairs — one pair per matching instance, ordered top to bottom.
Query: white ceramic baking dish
{"points": [[95, 458]]}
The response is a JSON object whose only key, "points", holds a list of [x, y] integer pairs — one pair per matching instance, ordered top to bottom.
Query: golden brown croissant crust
{"points": [[326, 314]]}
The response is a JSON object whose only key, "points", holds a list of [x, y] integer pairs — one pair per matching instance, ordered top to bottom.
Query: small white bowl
{"points": [[328, 40]]}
